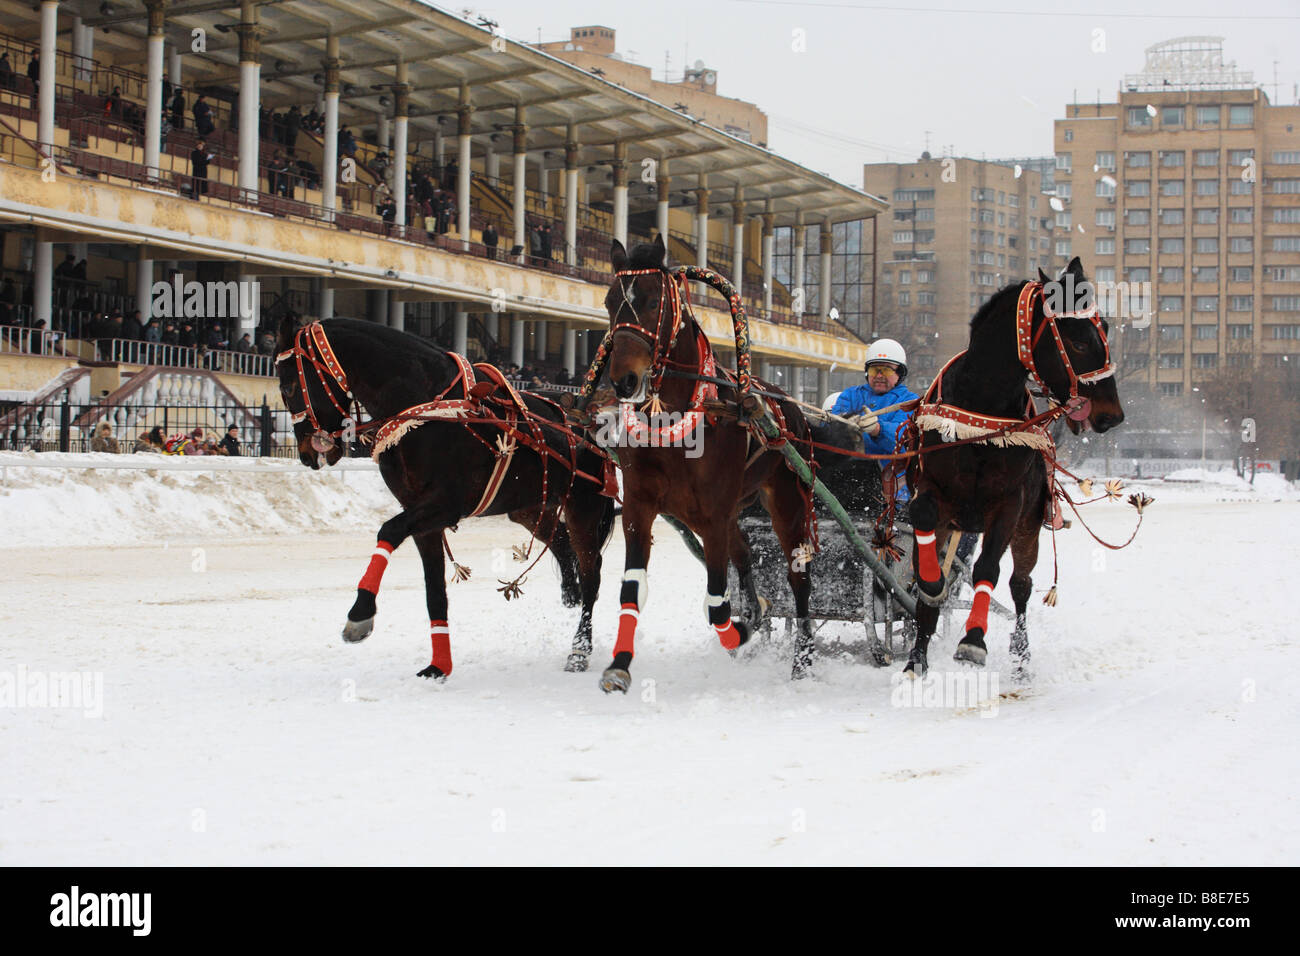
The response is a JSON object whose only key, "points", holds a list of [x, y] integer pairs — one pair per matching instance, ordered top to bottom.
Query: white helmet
{"points": [[887, 351]]}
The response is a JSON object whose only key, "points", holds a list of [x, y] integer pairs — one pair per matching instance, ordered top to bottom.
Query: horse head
{"points": [[641, 300], [1080, 363], [313, 410]]}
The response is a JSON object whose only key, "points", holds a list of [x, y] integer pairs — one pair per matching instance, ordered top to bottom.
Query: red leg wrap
{"points": [[928, 555], [375, 570], [979, 608], [627, 618], [728, 635], [441, 637]]}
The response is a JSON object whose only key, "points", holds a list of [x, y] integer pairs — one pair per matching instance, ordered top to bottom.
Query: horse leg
{"points": [[785, 503], [638, 516], [589, 522], [717, 540], [562, 550], [1024, 555], [925, 565], [984, 575], [435, 594], [752, 607], [361, 617]]}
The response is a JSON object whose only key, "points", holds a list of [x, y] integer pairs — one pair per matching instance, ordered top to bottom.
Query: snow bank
{"points": [[71, 499]]}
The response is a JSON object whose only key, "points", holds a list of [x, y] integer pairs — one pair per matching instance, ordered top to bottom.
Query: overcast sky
{"points": [[984, 77]]}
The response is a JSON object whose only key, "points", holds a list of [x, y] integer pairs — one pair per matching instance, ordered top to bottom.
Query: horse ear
{"points": [[660, 249], [617, 256], [1075, 268], [1042, 276], [288, 326]]}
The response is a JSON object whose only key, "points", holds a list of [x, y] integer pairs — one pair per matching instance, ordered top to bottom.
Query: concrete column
{"points": [[174, 68], [81, 72], [154, 76], [250, 85], [45, 95], [401, 112], [465, 116], [384, 130], [437, 145], [330, 151], [492, 164], [520, 178], [542, 184], [620, 192], [571, 196], [661, 208], [702, 234], [738, 242], [769, 250], [43, 283], [143, 284], [824, 286], [797, 290], [326, 300], [396, 311], [492, 322], [247, 323], [539, 332], [460, 333], [517, 341], [581, 348], [571, 351], [823, 384]]}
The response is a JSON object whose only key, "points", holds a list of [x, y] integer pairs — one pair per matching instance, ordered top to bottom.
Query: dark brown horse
{"points": [[700, 469], [442, 471], [1002, 489]]}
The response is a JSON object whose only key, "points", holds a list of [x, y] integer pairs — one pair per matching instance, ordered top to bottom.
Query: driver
{"points": [[886, 367]]}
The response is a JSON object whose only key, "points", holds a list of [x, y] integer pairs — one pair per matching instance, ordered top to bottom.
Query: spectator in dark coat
{"points": [[34, 70], [6, 72], [113, 103], [178, 109], [202, 116], [292, 123], [347, 144], [199, 159], [309, 174], [490, 239], [546, 241], [79, 271], [131, 328], [169, 334], [187, 337], [245, 344], [230, 444]]}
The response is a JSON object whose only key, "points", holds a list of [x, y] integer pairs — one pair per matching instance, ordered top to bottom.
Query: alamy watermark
{"points": [[178, 299], [1133, 301], [625, 427], [77, 690], [955, 690]]}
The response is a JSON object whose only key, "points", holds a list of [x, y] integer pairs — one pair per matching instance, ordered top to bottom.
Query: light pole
{"points": [[1204, 412]]}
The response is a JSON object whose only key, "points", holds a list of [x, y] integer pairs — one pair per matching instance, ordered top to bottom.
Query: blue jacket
{"points": [[861, 399]]}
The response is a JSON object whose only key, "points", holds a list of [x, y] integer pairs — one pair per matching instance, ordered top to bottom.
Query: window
{"points": [[1241, 115], [1171, 116], [1207, 116], [1139, 118], [1069, 136], [1238, 157], [1286, 157], [1172, 158], [1207, 158], [1106, 160], [1137, 160], [1063, 162], [1286, 185], [1171, 187], [1207, 187], [1240, 187], [1106, 188], [1138, 188], [1063, 191], [913, 195], [1002, 197], [1013, 201], [925, 215], [986, 215], [1287, 215], [1106, 217], [1137, 217], [1171, 217], [1207, 217], [1002, 219], [1063, 220], [924, 235], [903, 236], [1286, 243], [1207, 244], [1241, 244], [1171, 246], [1062, 247], [1104, 247], [1137, 247], [1105, 273], [1285, 273], [1138, 274], [1208, 274], [1241, 274], [1171, 275], [924, 277], [905, 278], [904, 298], [925, 298], [1170, 303], [1207, 303], [1241, 303], [1286, 303], [1240, 331], [1285, 331], [1204, 332], [1171, 333], [1171, 359], [1205, 360], [1239, 360], [1171, 389]]}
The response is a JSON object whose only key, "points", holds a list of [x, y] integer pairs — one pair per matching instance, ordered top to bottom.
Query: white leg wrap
{"points": [[638, 577]]}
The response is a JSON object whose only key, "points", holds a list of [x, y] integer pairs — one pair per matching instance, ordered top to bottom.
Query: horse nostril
{"points": [[626, 386]]}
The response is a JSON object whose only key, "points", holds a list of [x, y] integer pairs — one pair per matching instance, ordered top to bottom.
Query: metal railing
{"points": [[19, 339], [133, 352]]}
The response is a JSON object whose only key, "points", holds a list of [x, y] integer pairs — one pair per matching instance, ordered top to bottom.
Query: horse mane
{"points": [[995, 303], [430, 355]]}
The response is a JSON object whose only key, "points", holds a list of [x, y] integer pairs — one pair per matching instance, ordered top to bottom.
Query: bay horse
{"points": [[656, 345], [441, 466], [1000, 487]]}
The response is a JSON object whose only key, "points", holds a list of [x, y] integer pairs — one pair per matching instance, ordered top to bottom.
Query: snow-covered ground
{"points": [[232, 725]]}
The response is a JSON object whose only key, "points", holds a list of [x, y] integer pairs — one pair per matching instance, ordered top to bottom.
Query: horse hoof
{"points": [[936, 599], [354, 632], [968, 652], [878, 655], [576, 664], [916, 667], [802, 670], [433, 673], [615, 679]]}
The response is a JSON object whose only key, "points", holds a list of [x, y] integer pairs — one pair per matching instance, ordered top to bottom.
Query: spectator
{"points": [[6, 72], [34, 72], [113, 103], [178, 109], [202, 116], [292, 123], [164, 127], [347, 143], [199, 159], [450, 172], [308, 173], [278, 174], [387, 209], [490, 240], [546, 241], [535, 243], [66, 268], [79, 272], [8, 302], [131, 327], [153, 332], [169, 335], [187, 337], [266, 342], [245, 344], [563, 378], [104, 440], [151, 441], [230, 444]]}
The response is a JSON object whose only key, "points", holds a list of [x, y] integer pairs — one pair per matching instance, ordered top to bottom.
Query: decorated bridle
{"points": [[672, 286], [1027, 340], [312, 347]]}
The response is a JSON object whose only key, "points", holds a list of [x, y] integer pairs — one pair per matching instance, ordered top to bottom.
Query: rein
{"points": [[311, 346]]}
